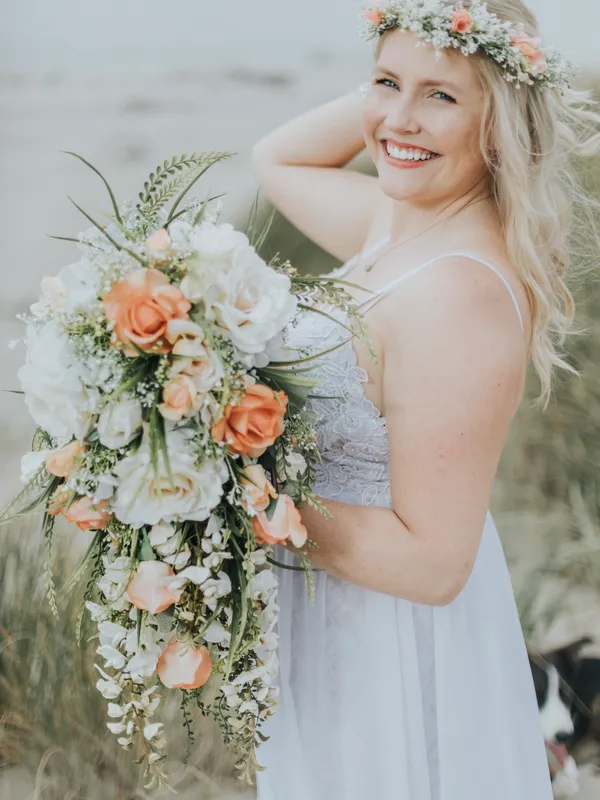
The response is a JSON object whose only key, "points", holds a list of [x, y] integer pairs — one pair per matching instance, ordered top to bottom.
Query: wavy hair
{"points": [[532, 140]]}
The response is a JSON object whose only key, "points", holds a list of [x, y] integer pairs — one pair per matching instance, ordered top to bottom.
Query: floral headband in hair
{"points": [[443, 23]]}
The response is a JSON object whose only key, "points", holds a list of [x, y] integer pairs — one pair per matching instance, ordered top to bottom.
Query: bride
{"points": [[408, 677]]}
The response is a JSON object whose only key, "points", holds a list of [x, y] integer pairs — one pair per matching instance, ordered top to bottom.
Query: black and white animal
{"points": [[567, 684]]}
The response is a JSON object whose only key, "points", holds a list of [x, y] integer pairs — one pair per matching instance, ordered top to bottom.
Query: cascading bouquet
{"points": [[172, 427]]}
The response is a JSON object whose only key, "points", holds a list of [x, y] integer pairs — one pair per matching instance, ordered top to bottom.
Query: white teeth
{"points": [[403, 154]]}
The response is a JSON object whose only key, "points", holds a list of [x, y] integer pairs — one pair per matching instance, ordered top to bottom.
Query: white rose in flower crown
{"points": [[57, 398], [119, 423], [144, 499]]}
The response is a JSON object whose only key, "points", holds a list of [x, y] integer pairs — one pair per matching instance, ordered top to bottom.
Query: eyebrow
{"points": [[431, 82]]}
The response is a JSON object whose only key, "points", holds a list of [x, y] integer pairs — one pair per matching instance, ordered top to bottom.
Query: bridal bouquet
{"points": [[172, 430]]}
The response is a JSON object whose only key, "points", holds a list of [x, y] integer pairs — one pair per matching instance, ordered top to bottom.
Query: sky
{"points": [[75, 35]]}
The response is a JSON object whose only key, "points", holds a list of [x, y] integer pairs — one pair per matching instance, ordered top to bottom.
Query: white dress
{"points": [[382, 698]]}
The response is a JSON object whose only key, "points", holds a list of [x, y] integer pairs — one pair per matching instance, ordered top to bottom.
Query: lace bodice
{"points": [[351, 432]]}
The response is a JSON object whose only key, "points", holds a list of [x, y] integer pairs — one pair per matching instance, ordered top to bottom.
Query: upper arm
{"points": [[332, 206], [453, 377]]}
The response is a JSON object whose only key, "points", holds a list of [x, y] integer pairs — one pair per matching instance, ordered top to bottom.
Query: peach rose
{"points": [[373, 15], [461, 21], [530, 48], [158, 242], [141, 307], [180, 398], [252, 425], [61, 462], [258, 488], [86, 514], [284, 525], [147, 589], [182, 666]]}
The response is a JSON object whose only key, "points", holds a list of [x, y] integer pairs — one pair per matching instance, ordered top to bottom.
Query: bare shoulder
{"points": [[460, 314]]}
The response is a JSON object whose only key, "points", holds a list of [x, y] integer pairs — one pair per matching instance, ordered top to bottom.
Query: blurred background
{"points": [[128, 83]]}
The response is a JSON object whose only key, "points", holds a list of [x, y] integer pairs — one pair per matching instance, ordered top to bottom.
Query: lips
{"points": [[407, 146], [400, 164]]}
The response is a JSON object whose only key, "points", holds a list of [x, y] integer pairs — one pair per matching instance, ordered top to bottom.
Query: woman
{"points": [[408, 678]]}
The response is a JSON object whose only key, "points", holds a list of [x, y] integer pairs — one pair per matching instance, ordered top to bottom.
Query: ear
{"points": [[569, 654]]}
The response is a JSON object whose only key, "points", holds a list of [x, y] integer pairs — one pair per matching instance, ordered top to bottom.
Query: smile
{"points": [[407, 156]]}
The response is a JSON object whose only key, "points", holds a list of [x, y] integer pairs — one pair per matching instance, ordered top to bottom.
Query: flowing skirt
{"points": [[387, 699]]}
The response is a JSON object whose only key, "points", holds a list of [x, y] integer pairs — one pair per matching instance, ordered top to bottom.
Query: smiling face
{"points": [[422, 122]]}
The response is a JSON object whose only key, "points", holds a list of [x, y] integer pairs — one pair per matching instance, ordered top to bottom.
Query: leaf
{"points": [[212, 160], [110, 191], [107, 235], [313, 357], [146, 553], [80, 571]]}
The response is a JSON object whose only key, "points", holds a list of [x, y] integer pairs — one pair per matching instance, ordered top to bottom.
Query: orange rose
{"points": [[373, 15], [461, 21], [530, 48], [141, 306], [180, 398], [252, 425], [61, 462], [258, 488], [83, 512], [284, 525], [147, 589], [182, 666]]}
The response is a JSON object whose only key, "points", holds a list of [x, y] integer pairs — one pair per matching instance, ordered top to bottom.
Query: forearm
{"points": [[327, 136], [370, 546]]}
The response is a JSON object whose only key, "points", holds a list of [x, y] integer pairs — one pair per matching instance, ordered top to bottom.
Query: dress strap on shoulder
{"points": [[368, 304]]}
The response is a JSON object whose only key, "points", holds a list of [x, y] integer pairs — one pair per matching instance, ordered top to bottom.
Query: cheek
{"points": [[371, 119]]}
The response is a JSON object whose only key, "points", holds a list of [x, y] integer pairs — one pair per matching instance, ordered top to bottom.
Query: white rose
{"points": [[251, 301], [57, 398], [119, 423], [31, 463], [144, 498]]}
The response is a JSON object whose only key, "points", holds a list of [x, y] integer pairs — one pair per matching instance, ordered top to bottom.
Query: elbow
{"points": [[451, 586]]}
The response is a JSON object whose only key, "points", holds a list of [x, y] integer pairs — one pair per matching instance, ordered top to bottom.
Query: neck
{"points": [[409, 218]]}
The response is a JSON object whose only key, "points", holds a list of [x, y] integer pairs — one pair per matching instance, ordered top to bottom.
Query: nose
{"points": [[402, 117], [562, 736]]}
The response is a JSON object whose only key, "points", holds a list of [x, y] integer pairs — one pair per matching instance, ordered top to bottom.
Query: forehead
{"points": [[407, 56]]}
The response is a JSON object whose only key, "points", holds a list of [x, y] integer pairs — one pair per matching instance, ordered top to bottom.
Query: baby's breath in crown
{"points": [[474, 29]]}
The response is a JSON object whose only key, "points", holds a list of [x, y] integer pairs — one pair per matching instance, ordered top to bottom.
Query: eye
{"points": [[386, 82], [444, 96]]}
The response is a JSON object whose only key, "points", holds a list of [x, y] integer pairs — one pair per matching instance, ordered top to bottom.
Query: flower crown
{"points": [[444, 23]]}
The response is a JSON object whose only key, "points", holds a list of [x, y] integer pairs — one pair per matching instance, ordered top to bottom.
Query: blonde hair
{"points": [[531, 140]]}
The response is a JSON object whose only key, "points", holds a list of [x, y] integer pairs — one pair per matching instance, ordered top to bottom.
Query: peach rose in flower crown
{"points": [[373, 15], [461, 21], [530, 48], [141, 307], [253, 424], [61, 462], [258, 488], [285, 524], [149, 589], [182, 666]]}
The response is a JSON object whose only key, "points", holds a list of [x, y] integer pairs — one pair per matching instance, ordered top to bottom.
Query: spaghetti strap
{"points": [[370, 302]]}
